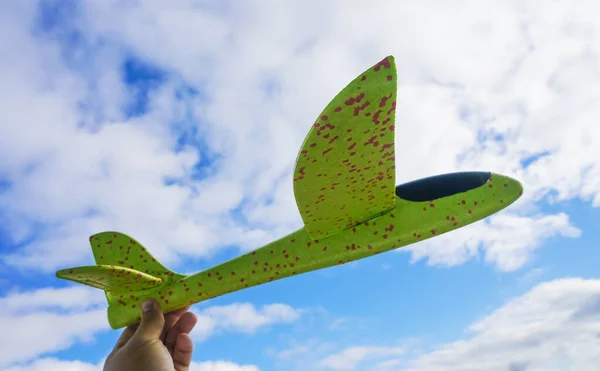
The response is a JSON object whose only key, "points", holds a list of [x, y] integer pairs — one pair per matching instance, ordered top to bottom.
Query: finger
{"points": [[171, 319], [152, 323], [185, 325], [125, 336], [182, 355]]}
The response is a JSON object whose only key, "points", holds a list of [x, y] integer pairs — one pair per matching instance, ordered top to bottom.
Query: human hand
{"points": [[161, 342]]}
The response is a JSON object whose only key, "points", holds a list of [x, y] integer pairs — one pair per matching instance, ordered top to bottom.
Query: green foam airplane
{"points": [[344, 183]]}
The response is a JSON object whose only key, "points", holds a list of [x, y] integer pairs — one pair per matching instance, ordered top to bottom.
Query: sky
{"points": [[179, 123]]}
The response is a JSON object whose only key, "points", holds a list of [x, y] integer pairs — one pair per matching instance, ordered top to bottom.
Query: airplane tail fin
{"points": [[118, 249], [123, 265]]}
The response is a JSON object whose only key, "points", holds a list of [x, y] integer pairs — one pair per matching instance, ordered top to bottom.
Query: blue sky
{"points": [[179, 124]]}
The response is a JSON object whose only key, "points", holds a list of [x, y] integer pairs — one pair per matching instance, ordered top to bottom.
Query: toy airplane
{"points": [[344, 183]]}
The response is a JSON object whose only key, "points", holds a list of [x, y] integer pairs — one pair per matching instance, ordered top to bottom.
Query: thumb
{"points": [[152, 323]]}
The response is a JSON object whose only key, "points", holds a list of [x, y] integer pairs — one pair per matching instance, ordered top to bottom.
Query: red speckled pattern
{"points": [[345, 171]]}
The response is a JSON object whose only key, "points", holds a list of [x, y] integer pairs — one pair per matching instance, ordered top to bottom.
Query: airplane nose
{"points": [[439, 186], [510, 189]]}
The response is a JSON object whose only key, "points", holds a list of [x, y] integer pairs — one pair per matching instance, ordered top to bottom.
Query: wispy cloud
{"points": [[506, 240], [533, 275], [71, 298], [242, 317], [48, 320], [554, 326], [341, 354], [350, 358], [53, 364], [221, 366]]}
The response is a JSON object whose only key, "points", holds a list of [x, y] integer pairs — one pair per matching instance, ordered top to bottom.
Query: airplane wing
{"points": [[345, 171], [110, 278]]}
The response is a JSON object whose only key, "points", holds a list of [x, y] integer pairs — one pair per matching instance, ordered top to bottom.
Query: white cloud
{"points": [[468, 74], [507, 241], [533, 275], [74, 297], [242, 317], [48, 320], [554, 326], [293, 352], [321, 354], [350, 358], [53, 364], [389, 364], [221, 366]]}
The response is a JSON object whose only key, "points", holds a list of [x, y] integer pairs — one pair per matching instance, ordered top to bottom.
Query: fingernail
{"points": [[148, 305]]}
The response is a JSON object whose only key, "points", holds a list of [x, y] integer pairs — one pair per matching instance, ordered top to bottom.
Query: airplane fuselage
{"points": [[408, 222]]}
